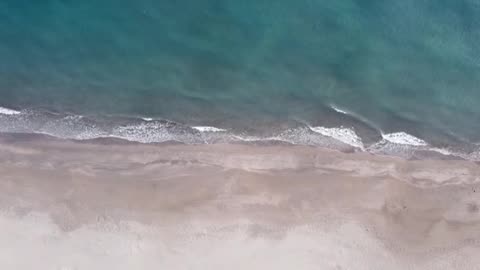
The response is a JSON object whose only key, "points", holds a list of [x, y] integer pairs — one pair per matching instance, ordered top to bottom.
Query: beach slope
{"points": [[109, 204]]}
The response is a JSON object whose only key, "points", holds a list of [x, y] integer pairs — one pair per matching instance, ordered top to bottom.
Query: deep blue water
{"points": [[410, 65]]}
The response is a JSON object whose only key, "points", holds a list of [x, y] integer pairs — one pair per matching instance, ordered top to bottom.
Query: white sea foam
{"points": [[335, 108], [8, 111], [73, 117], [148, 119], [209, 129], [145, 133], [345, 135], [404, 138], [260, 139], [444, 151]]}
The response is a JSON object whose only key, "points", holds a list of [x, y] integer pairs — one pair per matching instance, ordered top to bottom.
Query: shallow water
{"points": [[255, 68]]}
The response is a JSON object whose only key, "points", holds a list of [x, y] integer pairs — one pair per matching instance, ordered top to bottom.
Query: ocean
{"points": [[387, 77]]}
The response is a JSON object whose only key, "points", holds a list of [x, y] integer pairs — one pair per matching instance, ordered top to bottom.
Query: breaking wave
{"points": [[8, 111]]}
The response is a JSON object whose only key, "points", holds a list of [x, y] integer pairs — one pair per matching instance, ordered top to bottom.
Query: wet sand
{"points": [[116, 205]]}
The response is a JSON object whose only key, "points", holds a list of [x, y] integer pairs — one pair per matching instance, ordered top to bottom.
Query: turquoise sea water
{"points": [[256, 68]]}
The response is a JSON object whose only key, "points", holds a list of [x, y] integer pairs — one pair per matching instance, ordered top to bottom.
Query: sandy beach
{"points": [[113, 205]]}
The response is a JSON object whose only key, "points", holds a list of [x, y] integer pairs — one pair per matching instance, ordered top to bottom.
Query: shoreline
{"points": [[338, 130], [122, 205]]}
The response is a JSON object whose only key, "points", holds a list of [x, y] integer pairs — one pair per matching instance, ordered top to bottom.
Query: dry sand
{"points": [[111, 205]]}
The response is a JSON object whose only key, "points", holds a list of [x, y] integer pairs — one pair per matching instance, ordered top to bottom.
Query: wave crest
{"points": [[209, 129], [344, 135], [403, 138]]}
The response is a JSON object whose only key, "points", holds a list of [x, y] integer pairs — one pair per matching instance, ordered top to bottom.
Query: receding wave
{"points": [[150, 130]]}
